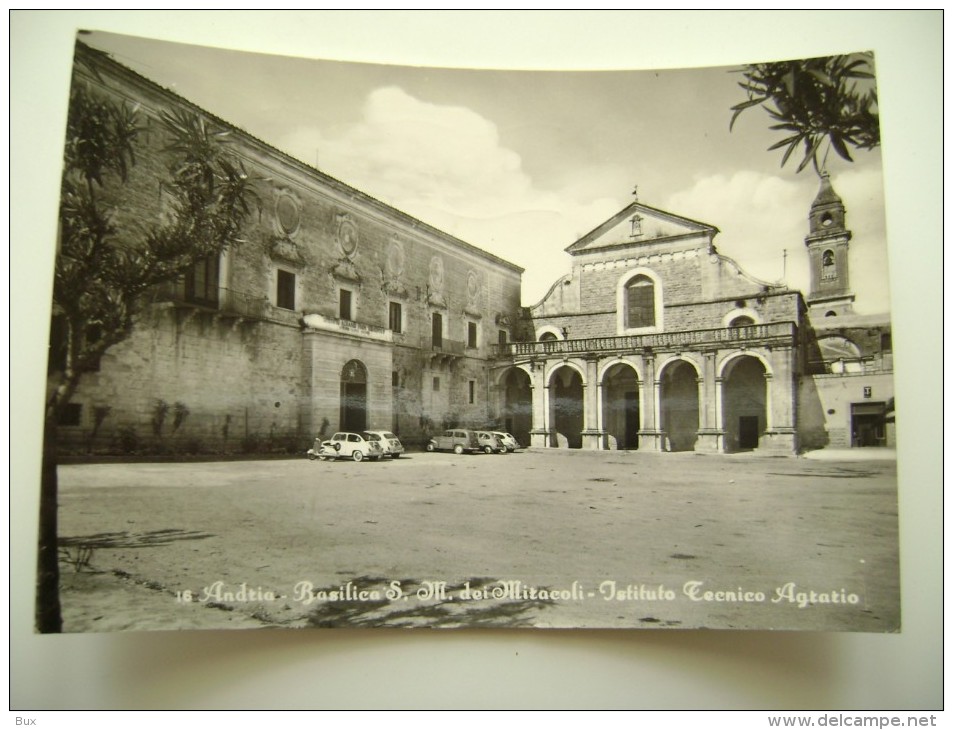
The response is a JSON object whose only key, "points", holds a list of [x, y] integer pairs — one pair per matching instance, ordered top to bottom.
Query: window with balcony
{"points": [[201, 282], [285, 298], [345, 302], [395, 317], [437, 329], [472, 335]]}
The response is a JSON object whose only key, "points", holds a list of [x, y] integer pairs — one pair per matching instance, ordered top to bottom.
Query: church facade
{"points": [[656, 341]]}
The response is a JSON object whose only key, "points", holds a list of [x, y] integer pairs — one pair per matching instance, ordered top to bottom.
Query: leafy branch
{"points": [[832, 99]]}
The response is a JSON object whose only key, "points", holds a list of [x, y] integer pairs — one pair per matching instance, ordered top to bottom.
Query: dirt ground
{"points": [[542, 538]]}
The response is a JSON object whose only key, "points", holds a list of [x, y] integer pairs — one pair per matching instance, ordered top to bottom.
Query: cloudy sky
{"points": [[523, 163]]}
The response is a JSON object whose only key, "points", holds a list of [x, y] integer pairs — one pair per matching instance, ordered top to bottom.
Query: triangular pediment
{"points": [[651, 226]]}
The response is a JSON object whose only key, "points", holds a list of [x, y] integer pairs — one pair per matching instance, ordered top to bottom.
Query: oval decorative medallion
{"points": [[287, 213], [347, 237], [395, 260], [436, 273], [473, 288]]}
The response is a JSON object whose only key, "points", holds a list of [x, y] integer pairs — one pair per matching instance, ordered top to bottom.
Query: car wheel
{"points": [[430, 447], [458, 449], [487, 449], [395, 455], [357, 456], [311, 457]]}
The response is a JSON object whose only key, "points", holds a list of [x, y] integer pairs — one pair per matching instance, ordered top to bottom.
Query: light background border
{"points": [[539, 669]]}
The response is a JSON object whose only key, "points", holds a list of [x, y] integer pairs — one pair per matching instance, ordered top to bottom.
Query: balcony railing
{"points": [[221, 300], [777, 332], [446, 347]]}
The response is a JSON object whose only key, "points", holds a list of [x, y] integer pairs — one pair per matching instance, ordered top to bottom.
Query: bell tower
{"points": [[828, 246]]}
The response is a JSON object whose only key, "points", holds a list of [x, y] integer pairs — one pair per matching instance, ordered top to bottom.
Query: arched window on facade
{"points": [[640, 302], [742, 321]]}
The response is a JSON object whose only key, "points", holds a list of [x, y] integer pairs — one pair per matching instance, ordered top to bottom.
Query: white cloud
{"points": [[447, 166], [760, 216]]}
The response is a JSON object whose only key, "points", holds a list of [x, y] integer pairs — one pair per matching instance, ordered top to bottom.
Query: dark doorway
{"points": [[354, 397], [632, 424], [867, 424], [747, 432]]}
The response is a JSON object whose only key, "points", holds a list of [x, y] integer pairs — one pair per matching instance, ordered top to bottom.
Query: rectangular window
{"points": [[201, 281], [286, 290], [345, 304], [395, 317], [437, 330], [471, 335], [502, 337], [886, 343], [395, 379], [436, 385], [472, 385], [72, 415]]}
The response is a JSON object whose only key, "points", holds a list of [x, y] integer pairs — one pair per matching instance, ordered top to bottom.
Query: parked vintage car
{"points": [[456, 440], [509, 441], [490, 443], [390, 444], [346, 445]]}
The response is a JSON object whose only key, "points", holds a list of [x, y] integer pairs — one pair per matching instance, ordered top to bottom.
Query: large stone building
{"points": [[337, 312], [340, 312], [656, 341]]}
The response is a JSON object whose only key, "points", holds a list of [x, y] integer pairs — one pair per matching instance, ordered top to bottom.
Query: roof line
{"points": [[104, 57], [636, 205]]}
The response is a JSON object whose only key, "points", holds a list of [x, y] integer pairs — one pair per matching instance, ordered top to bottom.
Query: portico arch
{"points": [[678, 403], [566, 404], [745, 405], [621, 406], [517, 407]]}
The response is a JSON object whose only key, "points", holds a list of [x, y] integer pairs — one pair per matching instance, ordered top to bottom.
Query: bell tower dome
{"points": [[828, 246]]}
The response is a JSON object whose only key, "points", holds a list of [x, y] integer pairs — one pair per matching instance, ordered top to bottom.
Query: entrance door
{"points": [[354, 397], [867, 424], [747, 432]]}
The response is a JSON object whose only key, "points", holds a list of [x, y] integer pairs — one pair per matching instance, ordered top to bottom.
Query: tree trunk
{"points": [[48, 617]]}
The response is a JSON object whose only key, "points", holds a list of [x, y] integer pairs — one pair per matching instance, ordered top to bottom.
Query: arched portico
{"points": [[516, 390], [745, 402], [678, 404], [566, 405], [620, 407]]}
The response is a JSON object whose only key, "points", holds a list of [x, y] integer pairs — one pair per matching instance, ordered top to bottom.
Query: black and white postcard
{"points": [[352, 345]]}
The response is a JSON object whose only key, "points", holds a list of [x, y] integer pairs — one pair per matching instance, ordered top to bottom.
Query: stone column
{"points": [[780, 404], [709, 430], [540, 435], [593, 437], [650, 438]]}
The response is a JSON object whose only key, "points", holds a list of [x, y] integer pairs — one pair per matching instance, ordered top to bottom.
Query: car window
{"points": [[448, 433], [389, 435], [371, 436], [338, 437], [353, 437]]}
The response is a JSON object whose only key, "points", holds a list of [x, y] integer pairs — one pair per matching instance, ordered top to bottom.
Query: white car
{"points": [[508, 440], [490, 443], [390, 444], [346, 445]]}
